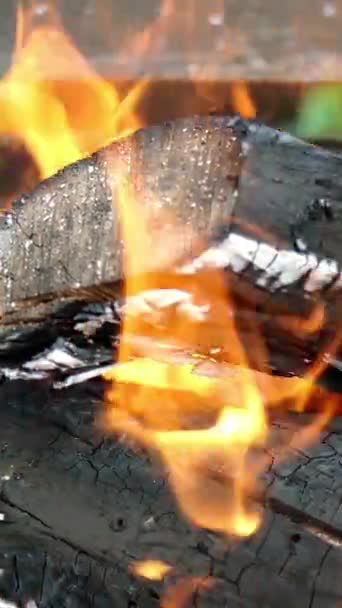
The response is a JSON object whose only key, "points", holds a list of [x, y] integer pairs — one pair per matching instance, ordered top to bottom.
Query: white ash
{"points": [[301, 244], [244, 252], [264, 256], [277, 268], [286, 269], [326, 271], [152, 302], [94, 316], [89, 328], [63, 355], [55, 358], [17, 373], [80, 377], [7, 604]]}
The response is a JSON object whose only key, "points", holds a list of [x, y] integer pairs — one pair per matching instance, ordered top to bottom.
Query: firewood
{"points": [[256, 201], [80, 508]]}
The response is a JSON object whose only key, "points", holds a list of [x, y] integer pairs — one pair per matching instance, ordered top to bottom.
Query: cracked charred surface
{"points": [[268, 204], [80, 506]]}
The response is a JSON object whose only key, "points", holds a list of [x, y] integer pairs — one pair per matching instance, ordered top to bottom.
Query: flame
{"points": [[52, 98], [242, 100], [55, 102], [208, 424], [207, 428], [208, 467], [152, 569], [179, 594]]}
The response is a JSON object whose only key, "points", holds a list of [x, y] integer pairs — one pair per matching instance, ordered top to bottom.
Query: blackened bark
{"points": [[80, 507]]}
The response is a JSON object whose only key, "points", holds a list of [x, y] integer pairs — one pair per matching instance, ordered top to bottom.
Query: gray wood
{"points": [[257, 39], [65, 235], [309, 483], [80, 506]]}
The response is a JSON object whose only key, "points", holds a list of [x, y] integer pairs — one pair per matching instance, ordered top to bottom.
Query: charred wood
{"points": [[255, 201], [79, 509]]}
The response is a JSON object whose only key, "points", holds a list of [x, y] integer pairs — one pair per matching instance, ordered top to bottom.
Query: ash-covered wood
{"points": [[256, 202], [73, 212]]}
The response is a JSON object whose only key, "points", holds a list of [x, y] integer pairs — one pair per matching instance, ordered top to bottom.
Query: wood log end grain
{"points": [[65, 235]]}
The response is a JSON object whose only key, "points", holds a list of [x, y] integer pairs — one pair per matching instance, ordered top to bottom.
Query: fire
{"points": [[53, 100], [242, 100], [55, 103], [207, 422], [207, 428], [152, 569], [182, 591]]}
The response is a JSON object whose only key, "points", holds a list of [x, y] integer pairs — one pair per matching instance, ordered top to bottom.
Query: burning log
{"points": [[233, 194], [66, 242], [80, 514]]}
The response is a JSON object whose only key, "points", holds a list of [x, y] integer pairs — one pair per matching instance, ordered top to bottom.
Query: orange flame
{"points": [[53, 99], [242, 100], [56, 103], [207, 429], [207, 466], [152, 569], [180, 593]]}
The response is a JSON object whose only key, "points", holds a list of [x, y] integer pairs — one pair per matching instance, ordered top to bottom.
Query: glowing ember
{"points": [[154, 570]]}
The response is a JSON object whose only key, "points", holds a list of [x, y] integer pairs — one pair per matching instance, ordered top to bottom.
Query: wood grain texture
{"points": [[255, 39], [208, 172], [65, 235]]}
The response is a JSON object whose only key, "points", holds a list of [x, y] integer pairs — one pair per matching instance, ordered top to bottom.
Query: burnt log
{"points": [[255, 201], [80, 508]]}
